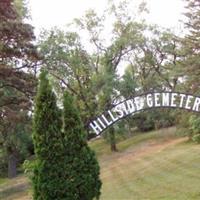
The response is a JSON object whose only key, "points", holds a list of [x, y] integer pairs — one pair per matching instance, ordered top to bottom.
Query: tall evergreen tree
{"points": [[192, 47], [18, 56], [191, 64], [65, 166], [82, 169], [48, 174]]}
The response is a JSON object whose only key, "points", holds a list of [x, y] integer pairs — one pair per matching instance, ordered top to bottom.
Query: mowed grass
{"points": [[150, 166], [161, 168], [15, 189]]}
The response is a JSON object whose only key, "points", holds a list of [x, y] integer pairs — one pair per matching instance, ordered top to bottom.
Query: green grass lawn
{"points": [[153, 166], [171, 173]]}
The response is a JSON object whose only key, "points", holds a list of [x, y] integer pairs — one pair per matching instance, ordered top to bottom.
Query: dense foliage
{"points": [[18, 57], [191, 63], [65, 167], [81, 167], [48, 180]]}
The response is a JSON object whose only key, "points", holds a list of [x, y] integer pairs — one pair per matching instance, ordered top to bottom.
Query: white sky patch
{"points": [[166, 12], [47, 14]]}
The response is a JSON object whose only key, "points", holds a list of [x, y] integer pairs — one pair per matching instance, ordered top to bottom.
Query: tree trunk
{"points": [[127, 125], [113, 146], [12, 164]]}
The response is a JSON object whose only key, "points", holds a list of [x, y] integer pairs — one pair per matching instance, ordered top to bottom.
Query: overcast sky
{"points": [[49, 13]]}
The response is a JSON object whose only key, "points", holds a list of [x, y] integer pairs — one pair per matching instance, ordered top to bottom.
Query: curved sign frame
{"points": [[143, 102]]}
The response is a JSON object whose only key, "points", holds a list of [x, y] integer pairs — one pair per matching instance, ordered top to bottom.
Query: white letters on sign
{"points": [[144, 102]]}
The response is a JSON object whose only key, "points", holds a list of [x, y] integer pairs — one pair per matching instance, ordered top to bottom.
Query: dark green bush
{"points": [[153, 119], [194, 122], [196, 138], [81, 167], [64, 168]]}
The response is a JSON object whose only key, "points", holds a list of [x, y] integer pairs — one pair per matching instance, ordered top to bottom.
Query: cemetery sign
{"points": [[144, 102]]}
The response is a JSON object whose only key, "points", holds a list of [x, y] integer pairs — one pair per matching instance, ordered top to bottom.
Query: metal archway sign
{"points": [[144, 102]]}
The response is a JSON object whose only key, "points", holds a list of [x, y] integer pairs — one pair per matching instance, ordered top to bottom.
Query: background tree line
{"points": [[98, 67]]}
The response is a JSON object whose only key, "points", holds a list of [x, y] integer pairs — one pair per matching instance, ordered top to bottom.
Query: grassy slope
{"points": [[149, 166], [156, 167], [171, 173]]}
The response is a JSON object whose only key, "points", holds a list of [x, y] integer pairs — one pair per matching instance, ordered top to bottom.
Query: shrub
{"points": [[194, 122], [196, 138], [81, 167], [64, 168], [48, 180]]}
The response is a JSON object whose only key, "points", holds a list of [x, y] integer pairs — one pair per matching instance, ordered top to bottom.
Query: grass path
{"points": [[15, 189]]}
